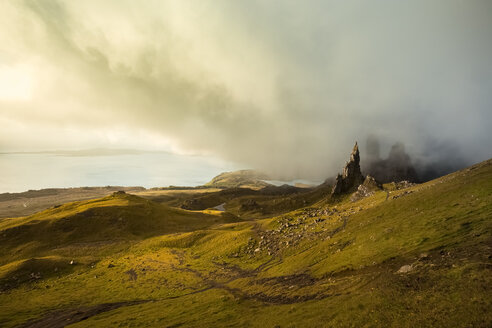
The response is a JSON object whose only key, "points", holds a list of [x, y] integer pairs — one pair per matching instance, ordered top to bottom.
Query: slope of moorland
{"points": [[239, 179], [32, 201], [77, 228], [413, 257]]}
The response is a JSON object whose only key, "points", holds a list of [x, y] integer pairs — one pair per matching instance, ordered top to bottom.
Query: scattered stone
{"points": [[404, 184], [401, 185], [403, 194], [72, 262], [110, 265], [405, 268], [36, 275]]}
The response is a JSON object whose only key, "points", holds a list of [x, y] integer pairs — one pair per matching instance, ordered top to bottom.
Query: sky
{"points": [[285, 86]]}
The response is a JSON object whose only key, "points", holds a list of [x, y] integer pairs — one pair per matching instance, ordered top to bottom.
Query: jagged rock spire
{"points": [[354, 155], [351, 177]]}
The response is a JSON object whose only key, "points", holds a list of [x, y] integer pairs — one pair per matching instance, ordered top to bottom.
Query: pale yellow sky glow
{"points": [[15, 84]]}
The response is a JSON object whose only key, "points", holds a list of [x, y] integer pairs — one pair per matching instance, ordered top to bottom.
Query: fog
{"points": [[286, 87]]}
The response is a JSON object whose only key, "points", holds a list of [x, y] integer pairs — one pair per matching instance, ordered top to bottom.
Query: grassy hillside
{"points": [[239, 179], [32, 201], [254, 204], [83, 228], [415, 257]]}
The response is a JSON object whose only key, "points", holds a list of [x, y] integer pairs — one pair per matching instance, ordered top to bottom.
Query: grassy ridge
{"points": [[239, 179], [420, 256]]}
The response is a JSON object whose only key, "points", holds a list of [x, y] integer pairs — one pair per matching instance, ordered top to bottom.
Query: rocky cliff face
{"points": [[397, 167], [351, 177]]}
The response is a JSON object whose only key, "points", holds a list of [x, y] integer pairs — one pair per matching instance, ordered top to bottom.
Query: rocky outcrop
{"points": [[351, 178], [366, 189], [249, 205]]}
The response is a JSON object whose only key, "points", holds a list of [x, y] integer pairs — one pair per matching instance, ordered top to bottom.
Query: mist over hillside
{"points": [[437, 160]]}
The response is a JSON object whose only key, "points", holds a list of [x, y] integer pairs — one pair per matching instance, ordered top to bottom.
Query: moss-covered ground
{"points": [[415, 257]]}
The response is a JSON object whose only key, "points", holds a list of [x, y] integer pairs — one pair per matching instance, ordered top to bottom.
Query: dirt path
{"points": [[241, 273], [62, 318]]}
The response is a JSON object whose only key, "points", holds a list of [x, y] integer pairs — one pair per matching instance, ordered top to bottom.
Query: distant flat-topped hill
{"points": [[239, 179]]}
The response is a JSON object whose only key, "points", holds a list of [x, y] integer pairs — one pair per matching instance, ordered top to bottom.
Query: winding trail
{"points": [[62, 318]]}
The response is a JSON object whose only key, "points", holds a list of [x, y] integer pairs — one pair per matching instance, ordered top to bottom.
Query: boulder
{"points": [[405, 268]]}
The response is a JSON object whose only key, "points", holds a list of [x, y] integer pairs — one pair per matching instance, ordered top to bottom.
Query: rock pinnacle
{"points": [[351, 177]]}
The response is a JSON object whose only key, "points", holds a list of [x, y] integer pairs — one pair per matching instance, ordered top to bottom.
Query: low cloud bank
{"points": [[282, 86]]}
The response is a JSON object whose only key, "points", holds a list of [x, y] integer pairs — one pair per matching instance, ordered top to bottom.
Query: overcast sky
{"points": [[283, 86]]}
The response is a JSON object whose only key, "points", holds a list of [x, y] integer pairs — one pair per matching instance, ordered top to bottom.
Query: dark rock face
{"points": [[397, 167], [351, 177], [194, 204], [249, 205]]}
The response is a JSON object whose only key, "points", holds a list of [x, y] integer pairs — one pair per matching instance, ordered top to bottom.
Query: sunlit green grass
{"points": [[197, 269]]}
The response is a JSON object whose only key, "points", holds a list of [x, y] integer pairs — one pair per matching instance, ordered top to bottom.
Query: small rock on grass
{"points": [[405, 268]]}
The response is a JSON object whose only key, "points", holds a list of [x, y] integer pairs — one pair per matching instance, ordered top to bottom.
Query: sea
{"points": [[32, 171]]}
